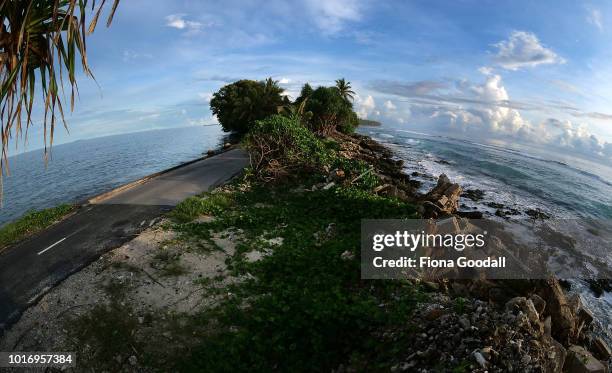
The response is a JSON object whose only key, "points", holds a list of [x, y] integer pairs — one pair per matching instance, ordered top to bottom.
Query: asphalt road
{"points": [[33, 266]]}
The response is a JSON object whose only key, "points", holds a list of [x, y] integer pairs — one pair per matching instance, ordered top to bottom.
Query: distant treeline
{"points": [[368, 122]]}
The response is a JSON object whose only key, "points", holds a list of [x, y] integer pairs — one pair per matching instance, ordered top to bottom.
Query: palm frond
{"points": [[39, 44]]}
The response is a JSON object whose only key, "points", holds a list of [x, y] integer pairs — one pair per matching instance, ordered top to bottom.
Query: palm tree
{"points": [[39, 43], [345, 90], [271, 99]]}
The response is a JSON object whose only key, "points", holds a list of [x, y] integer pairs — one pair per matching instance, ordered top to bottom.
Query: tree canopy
{"points": [[240, 104], [330, 110]]}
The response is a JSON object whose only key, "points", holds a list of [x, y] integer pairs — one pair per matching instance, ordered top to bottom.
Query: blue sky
{"points": [[503, 71]]}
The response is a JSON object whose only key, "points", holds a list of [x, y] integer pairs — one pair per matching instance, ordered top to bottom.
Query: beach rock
{"points": [[227, 145], [210, 152], [391, 191], [473, 194], [445, 196], [506, 213], [469, 214], [537, 214], [598, 287], [538, 302], [526, 307], [563, 319], [601, 349], [556, 356], [480, 359], [579, 360]]}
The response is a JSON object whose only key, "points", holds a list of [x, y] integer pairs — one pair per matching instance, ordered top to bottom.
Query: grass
{"points": [[30, 223], [302, 303]]}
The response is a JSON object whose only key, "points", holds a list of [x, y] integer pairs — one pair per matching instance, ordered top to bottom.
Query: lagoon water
{"points": [[85, 168]]}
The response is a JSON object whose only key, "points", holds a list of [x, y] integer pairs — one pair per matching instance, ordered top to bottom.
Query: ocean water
{"points": [[85, 168], [563, 187], [576, 193]]}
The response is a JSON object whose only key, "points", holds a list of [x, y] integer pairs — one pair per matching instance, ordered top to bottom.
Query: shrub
{"points": [[240, 104], [279, 145]]}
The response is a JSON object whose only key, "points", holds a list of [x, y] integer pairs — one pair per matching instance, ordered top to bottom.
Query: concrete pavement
{"points": [[30, 268]]}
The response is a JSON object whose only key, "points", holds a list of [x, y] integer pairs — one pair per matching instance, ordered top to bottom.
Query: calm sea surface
{"points": [[85, 168]]}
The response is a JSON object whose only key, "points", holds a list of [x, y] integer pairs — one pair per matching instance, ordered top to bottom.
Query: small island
{"points": [[369, 123]]}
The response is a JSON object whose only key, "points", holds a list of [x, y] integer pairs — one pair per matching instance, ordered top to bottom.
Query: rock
{"points": [[227, 145], [210, 152], [328, 186], [390, 190], [473, 194], [445, 195], [495, 205], [469, 214], [537, 214], [347, 255], [598, 287], [538, 303], [526, 306], [434, 314], [585, 316], [563, 320], [464, 322], [548, 326], [601, 349], [556, 356], [480, 359], [526, 359], [133, 360], [579, 360]]}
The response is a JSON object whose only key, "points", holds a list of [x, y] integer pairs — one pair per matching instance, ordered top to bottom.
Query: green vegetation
{"points": [[345, 89], [240, 104], [323, 110], [330, 110], [370, 123], [281, 146], [193, 207], [30, 223], [304, 300]]}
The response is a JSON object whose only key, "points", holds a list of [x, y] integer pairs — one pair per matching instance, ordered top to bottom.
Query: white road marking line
{"points": [[63, 239], [52, 246]]}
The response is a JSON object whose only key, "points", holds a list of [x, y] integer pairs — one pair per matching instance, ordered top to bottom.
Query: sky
{"points": [[506, 72]]}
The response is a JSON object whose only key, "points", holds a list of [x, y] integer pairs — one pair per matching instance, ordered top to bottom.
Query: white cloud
{"points": [[331, 15], [594, 17], [178, 21], [523, 49], [130, 55], [485, 70], [284, 81], [389, 105], [366, 107], [485, 110]]}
